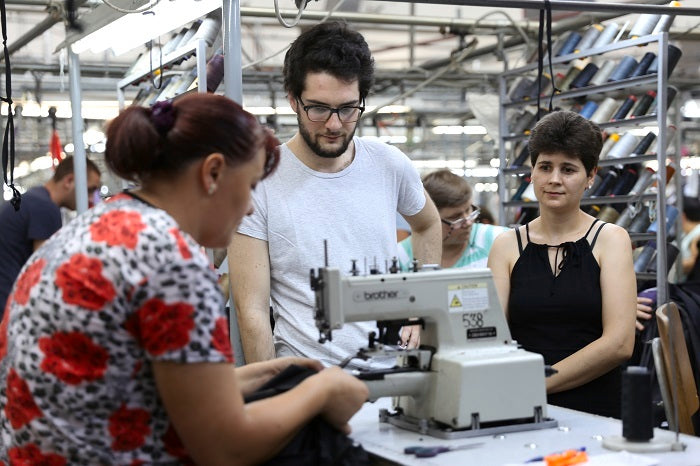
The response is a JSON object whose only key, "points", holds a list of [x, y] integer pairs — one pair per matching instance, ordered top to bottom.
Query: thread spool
{"points": [[664, 24], [644, 25], [209, 28], [189, 34], [607, 36], [589, 37], [175, 42], [570, 43], [674, 55], [643, 65], [623, 69], [573, 71], [604, 71], [215, 72], [583, 78], [187, 80], [545, 85], [520, 89], [168, 91], [670, 95], [643, 104], [588, 109], [624, 109], [605, 111], [523, 122], [670, 133], [608, 144], [644, 144], [624, 146], [522, 157], [597, 179], [643, 182], [624, 183], [607, 184], [529, 193], [518, 195], [608, 214], [671, 215], [626, 216], [640, 222], [641, 263], [637, 413]]}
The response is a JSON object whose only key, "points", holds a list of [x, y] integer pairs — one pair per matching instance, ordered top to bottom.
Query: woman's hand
{"points": [[644, 312], [253, 376], [346, 396]]}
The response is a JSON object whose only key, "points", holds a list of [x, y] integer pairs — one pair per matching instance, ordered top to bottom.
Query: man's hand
{"points": [[644, 312], [410, 337]]}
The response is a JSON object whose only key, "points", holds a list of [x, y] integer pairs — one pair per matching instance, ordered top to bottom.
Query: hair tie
{"points": [[163, 116]]}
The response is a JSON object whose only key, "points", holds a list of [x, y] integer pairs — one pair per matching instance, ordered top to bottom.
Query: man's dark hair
{"points": [[332, 48], [567, 133], [65, 168], [691, 208]]}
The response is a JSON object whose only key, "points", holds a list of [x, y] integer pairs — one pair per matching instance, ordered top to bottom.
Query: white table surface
{"points": [[576, 429]]}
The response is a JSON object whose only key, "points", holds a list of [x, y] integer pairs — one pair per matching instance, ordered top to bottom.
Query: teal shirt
{"points": [[475, 255]]}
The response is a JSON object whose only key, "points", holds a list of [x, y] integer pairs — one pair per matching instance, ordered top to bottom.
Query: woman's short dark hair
{"points": [[333, 48], [567, 133], [141, 145], [447, 189]]}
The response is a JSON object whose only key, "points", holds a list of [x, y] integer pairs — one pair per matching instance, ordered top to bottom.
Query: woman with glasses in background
{"points": [[465, 243]]}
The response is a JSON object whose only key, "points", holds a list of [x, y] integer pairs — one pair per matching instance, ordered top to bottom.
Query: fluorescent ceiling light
{"points": [[135, 29], [90, 109], [691, 109], [470, 129]]}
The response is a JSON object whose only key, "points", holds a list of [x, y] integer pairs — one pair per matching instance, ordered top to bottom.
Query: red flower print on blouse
{"points": [[118, 228], [181, 244], [27, 280], [82, 282], [161, 327], [220, 338], [73, 357], [20, 408], [129, 428], [174, 447], [30, 455]]}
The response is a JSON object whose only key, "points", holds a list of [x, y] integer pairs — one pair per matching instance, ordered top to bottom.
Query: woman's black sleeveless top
{"points": [[557, 315]]}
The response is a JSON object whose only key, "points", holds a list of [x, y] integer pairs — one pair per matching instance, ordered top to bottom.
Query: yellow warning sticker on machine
{"points": [[468, 296]]}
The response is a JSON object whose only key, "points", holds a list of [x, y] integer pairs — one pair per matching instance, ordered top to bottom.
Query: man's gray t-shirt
{"points": [[297, 208]]}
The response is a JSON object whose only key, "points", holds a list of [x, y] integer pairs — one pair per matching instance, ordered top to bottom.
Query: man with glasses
{"points": [[330, 185], [39, 217], [465, 243]]}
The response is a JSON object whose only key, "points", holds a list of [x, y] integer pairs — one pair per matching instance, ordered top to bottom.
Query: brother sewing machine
{"points": [[468, 377]]}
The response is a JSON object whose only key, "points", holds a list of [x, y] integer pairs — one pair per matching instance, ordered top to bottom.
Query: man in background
{"points": [[330, 185], [39, 217]]}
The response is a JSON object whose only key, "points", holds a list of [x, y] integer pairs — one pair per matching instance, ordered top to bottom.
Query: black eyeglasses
{"points": [[322, 113], [460, 222]]}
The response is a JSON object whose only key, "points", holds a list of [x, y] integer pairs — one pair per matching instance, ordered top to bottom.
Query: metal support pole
{"points": [[233, 64], [202, 65], [233, 84], [661, 95], [80, 164]]}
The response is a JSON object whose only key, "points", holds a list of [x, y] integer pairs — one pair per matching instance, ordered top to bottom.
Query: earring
{"points": [[211, 189]]}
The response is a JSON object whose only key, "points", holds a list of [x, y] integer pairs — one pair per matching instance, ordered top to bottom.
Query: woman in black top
{"points": [[566, 280]]}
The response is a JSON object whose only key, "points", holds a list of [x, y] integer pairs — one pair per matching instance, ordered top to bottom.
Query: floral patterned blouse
{"points": [[117, 288]]}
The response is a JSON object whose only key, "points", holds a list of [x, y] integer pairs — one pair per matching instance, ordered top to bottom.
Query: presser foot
{"points": [[442, 431]]}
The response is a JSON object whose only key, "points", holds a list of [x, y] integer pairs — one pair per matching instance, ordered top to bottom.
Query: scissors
{"points": [[429, 452]]}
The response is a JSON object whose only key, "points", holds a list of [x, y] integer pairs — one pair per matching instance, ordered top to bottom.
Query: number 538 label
{"points": [[473, 320]]}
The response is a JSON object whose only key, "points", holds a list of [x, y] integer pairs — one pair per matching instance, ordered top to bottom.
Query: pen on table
{"points": [[565, 454]]}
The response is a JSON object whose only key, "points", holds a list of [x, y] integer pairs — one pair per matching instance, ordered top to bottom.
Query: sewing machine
{"points": [[468, 377]]}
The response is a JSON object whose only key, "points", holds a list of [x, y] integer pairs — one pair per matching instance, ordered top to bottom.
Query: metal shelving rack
{"points": [[660, 80]]}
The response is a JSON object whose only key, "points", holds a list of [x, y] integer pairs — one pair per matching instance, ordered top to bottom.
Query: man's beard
{"points": [[316, 147]]}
